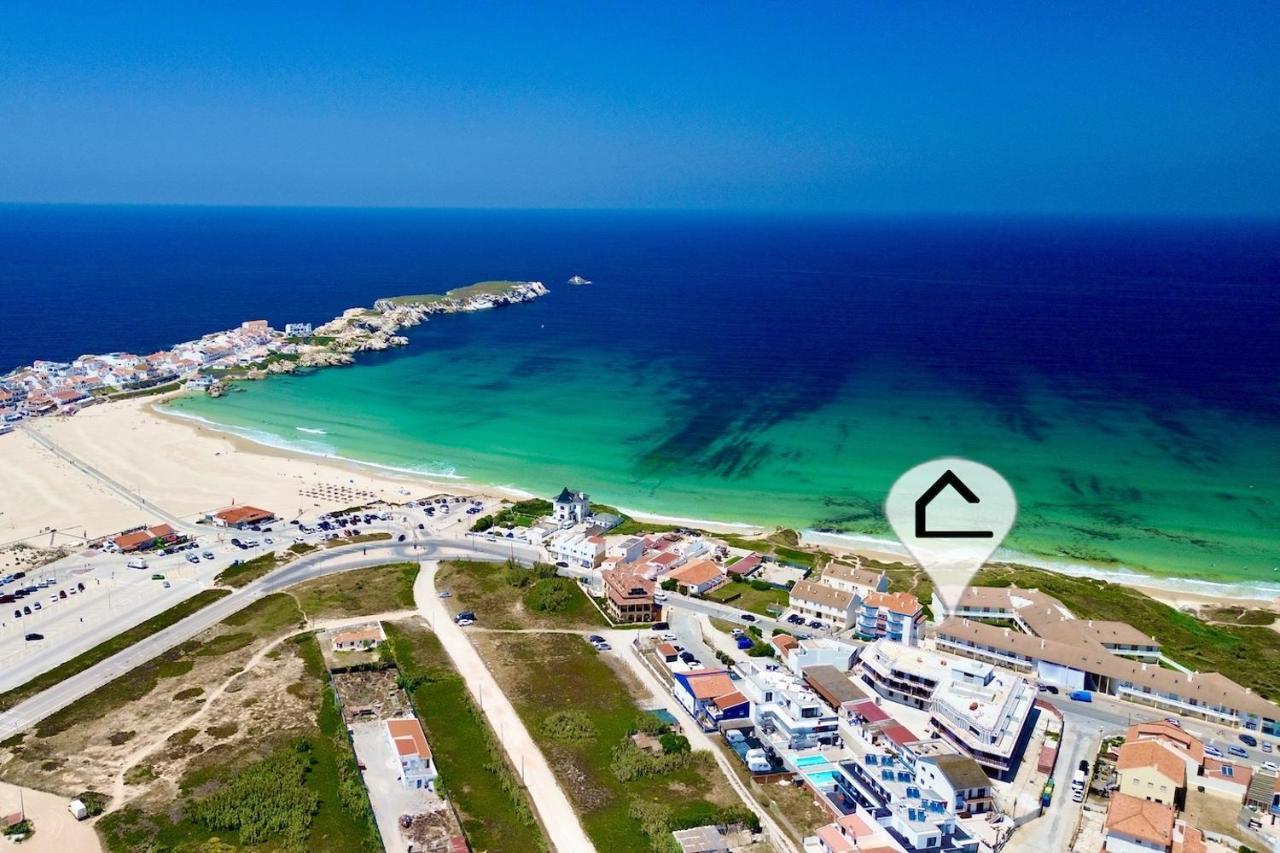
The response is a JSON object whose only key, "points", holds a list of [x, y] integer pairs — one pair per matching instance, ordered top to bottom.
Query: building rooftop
{"points": [[697, 573], [852, 575], [827, 596], [895, 602], [370, 634], [709, 683], [834, 686], [408, 737], [1188, 744], [1135, 755], [961, 771], [1143, 819]]}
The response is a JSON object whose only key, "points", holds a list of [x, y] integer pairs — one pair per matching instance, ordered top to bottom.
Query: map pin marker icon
{"points": [[951, 514]]}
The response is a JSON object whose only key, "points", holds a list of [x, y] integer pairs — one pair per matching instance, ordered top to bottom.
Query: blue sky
{"points": [[1111, 108]]}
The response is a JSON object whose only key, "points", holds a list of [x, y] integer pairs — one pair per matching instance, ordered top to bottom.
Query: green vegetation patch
{"points": [[240, 574], [362, 592], [510, 596], [755, 597], [104, 650], [286, 791], [629, 796], [494, 808]]}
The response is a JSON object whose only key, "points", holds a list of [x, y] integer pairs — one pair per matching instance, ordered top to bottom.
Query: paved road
{"points": [[48, 702], [554, 809]]}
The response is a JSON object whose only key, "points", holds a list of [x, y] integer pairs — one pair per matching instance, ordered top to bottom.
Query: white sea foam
{"points": [[311, 430], [1254, 590]]}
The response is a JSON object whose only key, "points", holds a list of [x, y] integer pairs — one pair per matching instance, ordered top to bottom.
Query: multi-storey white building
{"points": [[784, 709], [977, 709]]}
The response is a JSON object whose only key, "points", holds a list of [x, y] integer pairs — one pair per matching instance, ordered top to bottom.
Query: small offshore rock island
{"points": [[253, 350]]}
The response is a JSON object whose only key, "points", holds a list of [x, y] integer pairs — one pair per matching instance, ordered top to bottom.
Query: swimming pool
{"points": [[811, 761], [822, 778]]}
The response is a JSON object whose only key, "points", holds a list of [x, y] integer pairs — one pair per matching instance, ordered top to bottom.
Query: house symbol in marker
{"points": [[948, 478]]}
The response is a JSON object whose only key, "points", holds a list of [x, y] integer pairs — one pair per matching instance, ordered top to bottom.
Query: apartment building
{"points": [[818, 601], [896, 616], [784, 708], [981, 712]]}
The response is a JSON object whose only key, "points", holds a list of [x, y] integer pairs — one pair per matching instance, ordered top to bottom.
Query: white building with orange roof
{"points": [[699, 577], [896, 616], [413, 753], [1149, 770], [1138, 826]]}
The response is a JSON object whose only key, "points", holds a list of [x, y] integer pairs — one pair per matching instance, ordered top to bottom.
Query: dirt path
{"points": [[120, 795], [554, 809]]}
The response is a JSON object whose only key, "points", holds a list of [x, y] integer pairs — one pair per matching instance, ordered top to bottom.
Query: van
{"points": [[137, 563]]}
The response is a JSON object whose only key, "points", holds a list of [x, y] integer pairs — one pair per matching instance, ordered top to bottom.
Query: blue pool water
{"points": [[811, 761], [822, 778]]}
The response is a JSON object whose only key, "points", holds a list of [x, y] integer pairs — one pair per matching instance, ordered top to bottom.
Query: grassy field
{"points": [[480, 288], [248, 571], [378, 589], [505, 597], [746, 597], [266, 616], [104, 650], [1247, 655], [581, 714], [294, 790], [495, 811]]}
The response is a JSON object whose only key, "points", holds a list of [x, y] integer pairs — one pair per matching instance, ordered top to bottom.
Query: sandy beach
{"points": [[190, 469]]}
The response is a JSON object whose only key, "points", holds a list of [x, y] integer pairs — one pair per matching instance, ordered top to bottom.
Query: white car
{"points": [[659, 596], [462, 623], [1271, 767]]}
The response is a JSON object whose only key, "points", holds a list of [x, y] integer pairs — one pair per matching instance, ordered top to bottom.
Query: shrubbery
{"points": [[550, 595], [569, 727], [266, 800]]}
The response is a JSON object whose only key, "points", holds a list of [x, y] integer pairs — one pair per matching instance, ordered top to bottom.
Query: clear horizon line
{"points": [[853, 213]]}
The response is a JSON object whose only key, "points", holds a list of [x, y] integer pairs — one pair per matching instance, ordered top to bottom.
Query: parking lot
{"points": [[123, 590]]}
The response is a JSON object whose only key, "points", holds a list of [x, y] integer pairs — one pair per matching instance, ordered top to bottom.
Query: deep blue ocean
{"points": [[749, 353]]}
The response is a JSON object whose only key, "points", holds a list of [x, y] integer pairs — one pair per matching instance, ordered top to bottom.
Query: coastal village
{"points": [[252, 350], [835, 703], [1004, 721]]}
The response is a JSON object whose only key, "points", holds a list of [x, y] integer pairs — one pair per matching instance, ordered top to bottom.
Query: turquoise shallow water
{"points": [[1122, 376], [1097, 484]]}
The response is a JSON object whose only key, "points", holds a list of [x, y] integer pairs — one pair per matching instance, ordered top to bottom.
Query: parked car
{"points": [[208, 555], [192, 558], [165, 584], [80, 586], [62, 593], [444, 593], [26, 610], [17, 614], [747, 617], [659, 626], [31, 638], [595, 638], [1081, 696], [1248, 740], [1266, 747], [1210, 749], [1238, 751], [1084, 765], [1271, 767]]}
